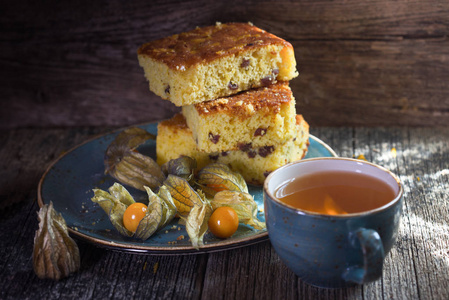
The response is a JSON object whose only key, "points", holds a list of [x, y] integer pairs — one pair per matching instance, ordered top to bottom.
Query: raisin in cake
{"points": [[215, 61], [258, 117], [175, 139]]}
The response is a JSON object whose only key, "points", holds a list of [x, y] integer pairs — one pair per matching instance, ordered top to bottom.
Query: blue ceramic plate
{"points": [[69, 181]]}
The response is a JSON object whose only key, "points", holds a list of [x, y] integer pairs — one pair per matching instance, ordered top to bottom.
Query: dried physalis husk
{"points": [[133, 137], [129, 166], [183, 167], [218, 177], [184, 196], [243, 204], [114, 205], [192, 206], [160, 210], [196, 223], [55, 253]]}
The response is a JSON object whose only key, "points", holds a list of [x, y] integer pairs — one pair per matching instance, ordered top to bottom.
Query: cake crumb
{"points": [[223, 101], [249, 108], [393, 152], [361, 157]]}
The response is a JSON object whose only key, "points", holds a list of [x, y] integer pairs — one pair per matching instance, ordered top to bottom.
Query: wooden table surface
{"points": [[75, 63], [416, 268]]}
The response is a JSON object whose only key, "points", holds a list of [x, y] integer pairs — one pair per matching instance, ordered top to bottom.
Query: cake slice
{"points": [[215, 61], [255, 118], [175, 139]]}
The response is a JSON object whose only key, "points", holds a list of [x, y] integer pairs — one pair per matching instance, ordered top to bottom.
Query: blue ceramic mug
{"points": [[332, 251]]}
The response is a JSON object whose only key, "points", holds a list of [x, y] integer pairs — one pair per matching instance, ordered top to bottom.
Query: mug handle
{"points": [[373, 256]]}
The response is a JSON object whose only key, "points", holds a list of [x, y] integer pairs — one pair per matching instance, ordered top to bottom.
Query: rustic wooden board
{"points": [[369, 63], [416, 268]]}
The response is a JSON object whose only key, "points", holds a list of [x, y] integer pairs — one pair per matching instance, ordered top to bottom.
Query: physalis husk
{"points": [[130, 167], [217, 177], [242, 203], [161, 209]]}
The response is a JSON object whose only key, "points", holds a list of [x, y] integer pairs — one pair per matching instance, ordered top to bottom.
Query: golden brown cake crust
{"points": [[205, 44], [246, 103], [177, 120], [300, 121]]}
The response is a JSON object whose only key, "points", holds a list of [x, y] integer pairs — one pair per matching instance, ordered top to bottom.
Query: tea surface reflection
{"points": [[336, 193]]}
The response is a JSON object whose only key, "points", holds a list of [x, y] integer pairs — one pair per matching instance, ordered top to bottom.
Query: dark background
{"points": [[361, 63]]}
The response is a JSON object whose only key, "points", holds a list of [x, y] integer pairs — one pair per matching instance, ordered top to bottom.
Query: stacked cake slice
{"points": [[237, 107]]}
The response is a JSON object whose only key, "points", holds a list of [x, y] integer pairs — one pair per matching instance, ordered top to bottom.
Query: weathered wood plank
{"points": [[361, 62], [373, 82], [341, 140], [426, 173], [416, 268], [279, 282]]}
